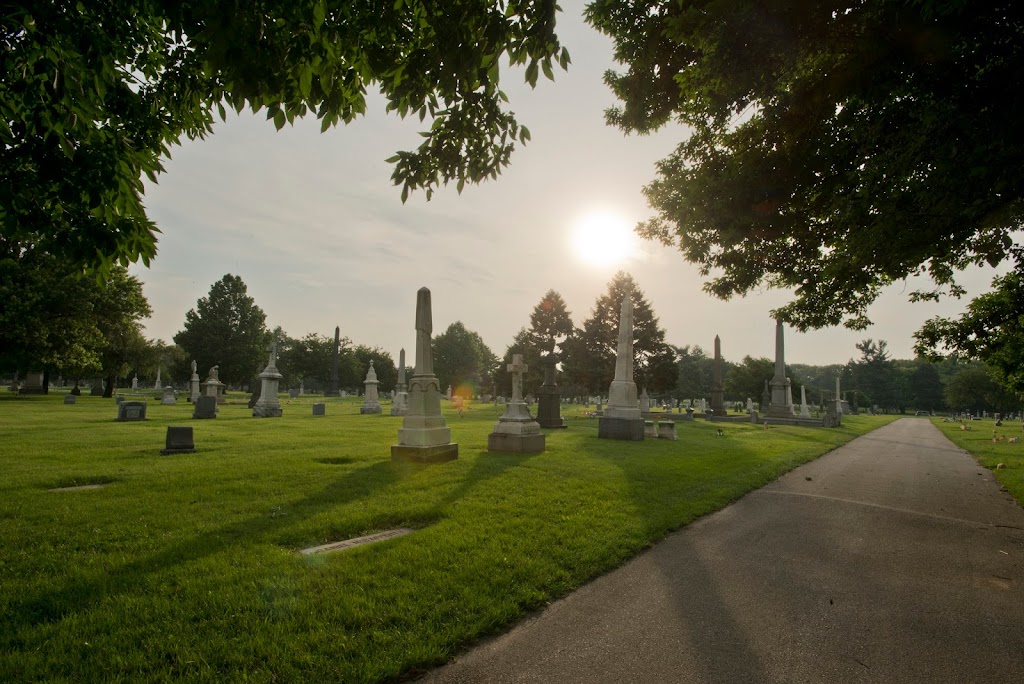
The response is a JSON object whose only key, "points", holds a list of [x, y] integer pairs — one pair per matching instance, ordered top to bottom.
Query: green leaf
{"points": [[319, 14]]}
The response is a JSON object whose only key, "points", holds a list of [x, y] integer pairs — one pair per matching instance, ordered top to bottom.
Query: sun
{"points": [[603, 238]]}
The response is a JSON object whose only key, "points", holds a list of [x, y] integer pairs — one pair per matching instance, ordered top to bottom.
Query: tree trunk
{"points": [[108, 387]]}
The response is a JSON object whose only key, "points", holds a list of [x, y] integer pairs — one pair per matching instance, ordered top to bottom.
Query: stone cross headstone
{"points": [[622, 419], [516, 431], [424, 436]]}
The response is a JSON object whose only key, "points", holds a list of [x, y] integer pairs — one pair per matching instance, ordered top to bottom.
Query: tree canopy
{"points": [[94, 94], [835, 146], [226, 329], [462, 359]]}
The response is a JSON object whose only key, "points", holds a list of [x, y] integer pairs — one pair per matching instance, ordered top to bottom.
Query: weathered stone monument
{"points": [[135, 381], [193, 384], [156, 385], [214, 385], [332, 387], [717, 391], [448, 394], [168, 398], [370, 400], [839, 400], [645, 402], [400, 404], [268, 405], [781, 405], [319, 409], [131, 410], [549, 410], [804, 411], [622, 418], [516, 431], [424, 436], [179, 441]]}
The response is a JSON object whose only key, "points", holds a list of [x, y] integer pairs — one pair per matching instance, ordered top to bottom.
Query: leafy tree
{"points": [[95, 94], [835, 147], [550, 323], [228, 330], [991, 330], [524, 343], [590, 352], [462, 358], [308, 360], [694, 373], [875, 373], [746, 379], [926, 388], [973, 388]]}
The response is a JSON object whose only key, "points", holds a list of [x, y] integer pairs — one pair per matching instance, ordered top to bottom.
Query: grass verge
{"points": [[982, 441], [187, 566]]}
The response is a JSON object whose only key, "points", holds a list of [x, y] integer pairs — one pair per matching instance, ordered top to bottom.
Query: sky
{"points": [[314, 227]]}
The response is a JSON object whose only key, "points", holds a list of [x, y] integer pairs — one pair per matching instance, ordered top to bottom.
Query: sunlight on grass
{"points": [[188, 565]]}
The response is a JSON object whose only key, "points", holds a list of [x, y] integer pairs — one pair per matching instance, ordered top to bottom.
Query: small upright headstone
{"points": [[135, 381], [293, 394], [448, 394], [400, 395], [69, 398], [168, 398], [645, 402], [268, 405], [205, 407], [319, 409], [131, 410], [179, 441]]}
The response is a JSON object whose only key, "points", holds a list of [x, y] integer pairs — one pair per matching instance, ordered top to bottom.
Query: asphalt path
{"points": [[895, 558]]}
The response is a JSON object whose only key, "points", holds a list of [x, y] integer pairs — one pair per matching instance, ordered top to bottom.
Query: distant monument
{"points": [[193, 384], [156, 385], [332, 388], [370, 401], [400, 402], [717, 402], [268, 405], [781, 405], [549, 409], [804, 411], [622, 418], [516, 431], [424, 436]]}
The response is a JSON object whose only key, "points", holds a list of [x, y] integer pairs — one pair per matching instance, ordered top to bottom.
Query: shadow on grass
{"points": [[78, 595]]}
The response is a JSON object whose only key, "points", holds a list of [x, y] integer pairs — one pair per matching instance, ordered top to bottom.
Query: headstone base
{"points": [[31, 390], [369, 409], [267, 411], [552, 424], [630, 429], [650, 430], [667, 430], [516, 444], [425, 454]]}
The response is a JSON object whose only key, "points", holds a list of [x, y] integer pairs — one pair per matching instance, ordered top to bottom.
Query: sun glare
{"points": [[603, 239]]}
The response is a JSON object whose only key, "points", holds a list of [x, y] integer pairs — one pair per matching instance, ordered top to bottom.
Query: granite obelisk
{"points": [[332, 387], [717, 401], [781, 405], [622, 418]]}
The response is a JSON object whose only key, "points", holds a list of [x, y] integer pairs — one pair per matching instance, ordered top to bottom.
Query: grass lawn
{"points": [[978, 441], [187, 566]]}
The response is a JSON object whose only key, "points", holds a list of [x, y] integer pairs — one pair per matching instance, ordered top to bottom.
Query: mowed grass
{"points": [[978, 441], [187, 566]]}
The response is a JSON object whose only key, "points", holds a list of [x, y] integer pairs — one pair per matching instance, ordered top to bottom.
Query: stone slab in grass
{"points": [[77, 488], [358, 541]]}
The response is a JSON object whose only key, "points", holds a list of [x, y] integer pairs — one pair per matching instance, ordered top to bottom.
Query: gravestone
{"points": [[135, 381], [33, 384], [193, 384], [156, 385], [214, 387], [780, 387], [76, 390], [717, 391], [293, 394], [448, 394], [548, 397], [70, 398], [168, 398], [645, 402], [370, 403], [400, 403], [268, 405], [205, 407], [319, 409], [131, 410], [804, 411], [622, 419], [650, 430], [667, 430], [516, 431], [424, 436], [179, 441]]}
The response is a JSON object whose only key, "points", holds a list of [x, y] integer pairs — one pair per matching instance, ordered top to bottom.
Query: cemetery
{"points": [[120, 561]]}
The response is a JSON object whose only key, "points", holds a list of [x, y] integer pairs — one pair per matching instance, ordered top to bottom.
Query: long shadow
{"points": [[81, 594]]}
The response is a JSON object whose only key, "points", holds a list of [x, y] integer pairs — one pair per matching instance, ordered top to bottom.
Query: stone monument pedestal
{"points": [[630, 429], [516, 432]]}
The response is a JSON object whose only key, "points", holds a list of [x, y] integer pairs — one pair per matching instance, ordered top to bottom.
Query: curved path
{"points": [[895, 558]]}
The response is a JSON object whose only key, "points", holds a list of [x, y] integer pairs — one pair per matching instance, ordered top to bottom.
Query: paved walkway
{"points": [[895, 558]]}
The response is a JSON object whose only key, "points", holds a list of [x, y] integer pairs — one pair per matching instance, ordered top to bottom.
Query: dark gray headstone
{"points": [[293, 394], [69, 398], [205, 407], [318, 409], [131, 410], [179, 441]]}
